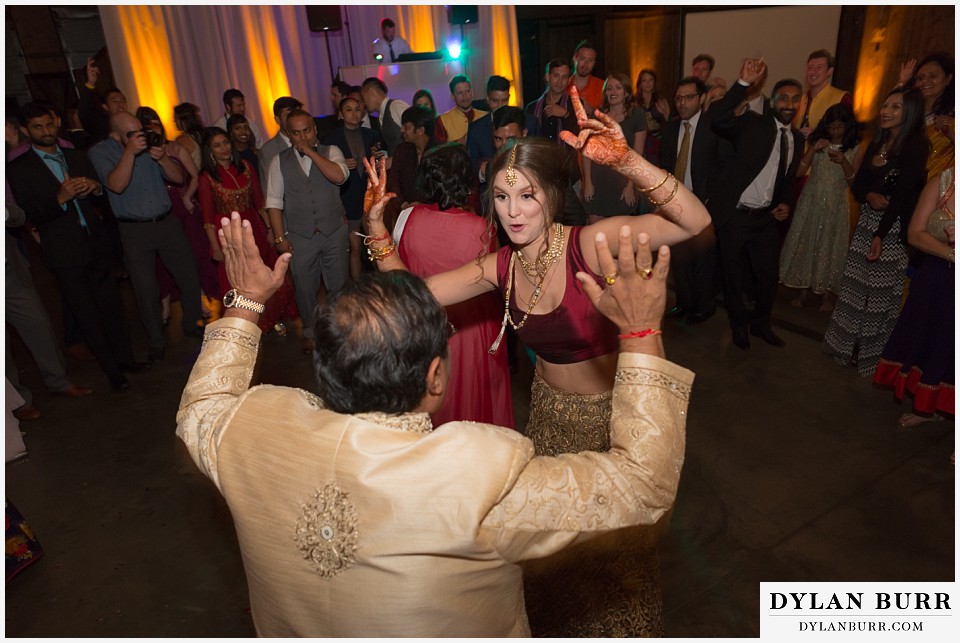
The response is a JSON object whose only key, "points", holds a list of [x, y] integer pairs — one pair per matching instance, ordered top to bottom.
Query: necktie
{"points": [[393, 56], [805, 122], [784, 153], [680, 171], [65, 174]]}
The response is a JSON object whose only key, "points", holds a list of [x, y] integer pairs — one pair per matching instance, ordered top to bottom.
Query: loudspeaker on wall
{"points": [[462, 14], [325, 18]]}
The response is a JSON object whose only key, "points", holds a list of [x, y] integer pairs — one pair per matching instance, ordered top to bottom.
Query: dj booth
{"points": [[403, 79]]}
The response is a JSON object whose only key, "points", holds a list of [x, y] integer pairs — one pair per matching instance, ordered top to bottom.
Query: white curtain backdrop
{"points": [[162, 56]]}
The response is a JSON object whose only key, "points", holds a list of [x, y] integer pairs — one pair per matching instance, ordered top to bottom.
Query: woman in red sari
{"points": [[228, 184], [441, 236]]}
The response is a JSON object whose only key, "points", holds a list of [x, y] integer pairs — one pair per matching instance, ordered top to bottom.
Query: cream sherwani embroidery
{"points": [[377, 526]]}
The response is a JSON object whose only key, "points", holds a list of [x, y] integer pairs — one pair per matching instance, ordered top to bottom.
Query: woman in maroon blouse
{"points": [[537, 276]]}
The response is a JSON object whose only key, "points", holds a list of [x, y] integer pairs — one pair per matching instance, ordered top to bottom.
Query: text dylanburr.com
{"points": [[863, 611]]}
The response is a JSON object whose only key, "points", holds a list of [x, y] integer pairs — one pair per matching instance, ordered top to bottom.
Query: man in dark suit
{"points": [[694, 153], [52, 184], [751, 195]]}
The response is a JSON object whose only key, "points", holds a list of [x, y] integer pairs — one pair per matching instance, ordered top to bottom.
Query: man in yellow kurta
{"points": [[820, 94], [452, 125], [355, 517]]}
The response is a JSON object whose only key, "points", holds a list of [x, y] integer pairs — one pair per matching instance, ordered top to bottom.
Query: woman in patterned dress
{"points": [[229, 184], [887, 185], [816, 246]]}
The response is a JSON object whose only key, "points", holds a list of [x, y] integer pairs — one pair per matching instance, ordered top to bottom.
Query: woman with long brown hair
{"points": [[605, 192], [540, 276]]}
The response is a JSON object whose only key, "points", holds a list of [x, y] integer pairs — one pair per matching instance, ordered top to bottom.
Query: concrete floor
{"points": [[795, 470]]}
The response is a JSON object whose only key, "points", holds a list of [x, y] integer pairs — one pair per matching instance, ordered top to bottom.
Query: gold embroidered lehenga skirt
{"points": [[608, 586]]}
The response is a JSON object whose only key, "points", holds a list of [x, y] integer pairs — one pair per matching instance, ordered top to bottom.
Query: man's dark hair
{"points": [[387, 22], [583, 44], [823, 53], [710, 60], [556, 62], [459, 78], [693, 80], [373, 81], [785, 82], [498, 84], [342, 86], [353, 89], [106, 93], [229, 95], [285, 102], [31, 111], [509, 114], [419, 116], [446, 175], [375, 340]]}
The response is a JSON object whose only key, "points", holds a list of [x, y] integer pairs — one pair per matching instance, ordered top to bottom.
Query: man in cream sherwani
{"points": [[356, 517]]}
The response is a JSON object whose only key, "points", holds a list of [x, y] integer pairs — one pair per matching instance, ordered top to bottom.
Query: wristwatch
{"points": [[234, 299]]}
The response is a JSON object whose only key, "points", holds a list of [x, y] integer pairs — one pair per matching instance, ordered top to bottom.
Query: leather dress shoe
{"points": [[675, 312], [699, 318], [766, 334], [741, 339], [80, 352], [155, 355], [134, 367], [119, 383], [74, 391], [27, 413]]}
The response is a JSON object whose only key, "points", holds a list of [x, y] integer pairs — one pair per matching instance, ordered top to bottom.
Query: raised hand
{"points": [[752, 70], [906, 71], [601, 140], [376, 182], [245, 269], [635, 299]]}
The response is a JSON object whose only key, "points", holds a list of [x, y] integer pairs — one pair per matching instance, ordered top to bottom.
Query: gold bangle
{"points": [[665, 177], [673, 193], [279, 239], [379, 254]]}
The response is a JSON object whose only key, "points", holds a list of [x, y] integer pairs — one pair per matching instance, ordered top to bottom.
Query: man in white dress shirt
{"points": [[388, 47], [235, 103], [307, 215]]}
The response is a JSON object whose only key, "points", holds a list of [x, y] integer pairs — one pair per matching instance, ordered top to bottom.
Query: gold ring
{"points": [[646, 273], [612, 279]]}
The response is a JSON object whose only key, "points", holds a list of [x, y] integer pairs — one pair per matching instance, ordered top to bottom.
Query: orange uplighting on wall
{"points": [[415, 23], [145, 36], [505, 44], [266, 57]]}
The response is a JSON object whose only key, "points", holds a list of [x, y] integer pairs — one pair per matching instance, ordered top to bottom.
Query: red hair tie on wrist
{"points": [[642, 333]]}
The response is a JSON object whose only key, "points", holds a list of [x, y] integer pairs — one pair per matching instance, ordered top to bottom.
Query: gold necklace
{"points": [[226, 170], [544, 260], [537, 291]]}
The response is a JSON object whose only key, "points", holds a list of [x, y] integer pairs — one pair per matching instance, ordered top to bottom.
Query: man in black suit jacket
{"points": [[52, 184], [751, 195], [693, 260]]}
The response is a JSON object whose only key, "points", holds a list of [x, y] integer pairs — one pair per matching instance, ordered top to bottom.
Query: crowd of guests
{"points": [[488, 202]]}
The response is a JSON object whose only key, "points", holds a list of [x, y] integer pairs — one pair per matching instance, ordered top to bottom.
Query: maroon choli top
{"points": [[575, 331]]}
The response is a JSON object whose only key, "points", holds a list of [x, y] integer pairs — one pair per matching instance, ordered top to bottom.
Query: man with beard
{"points": [[588, 86], [452, 125], [53, 186], [751, 195]]}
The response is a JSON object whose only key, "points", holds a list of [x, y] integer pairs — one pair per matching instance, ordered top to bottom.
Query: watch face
{"points": [[230, 298]]}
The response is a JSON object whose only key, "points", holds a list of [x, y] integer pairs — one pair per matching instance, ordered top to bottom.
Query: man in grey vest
{"points": [[374, 94], [307, 215]]}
